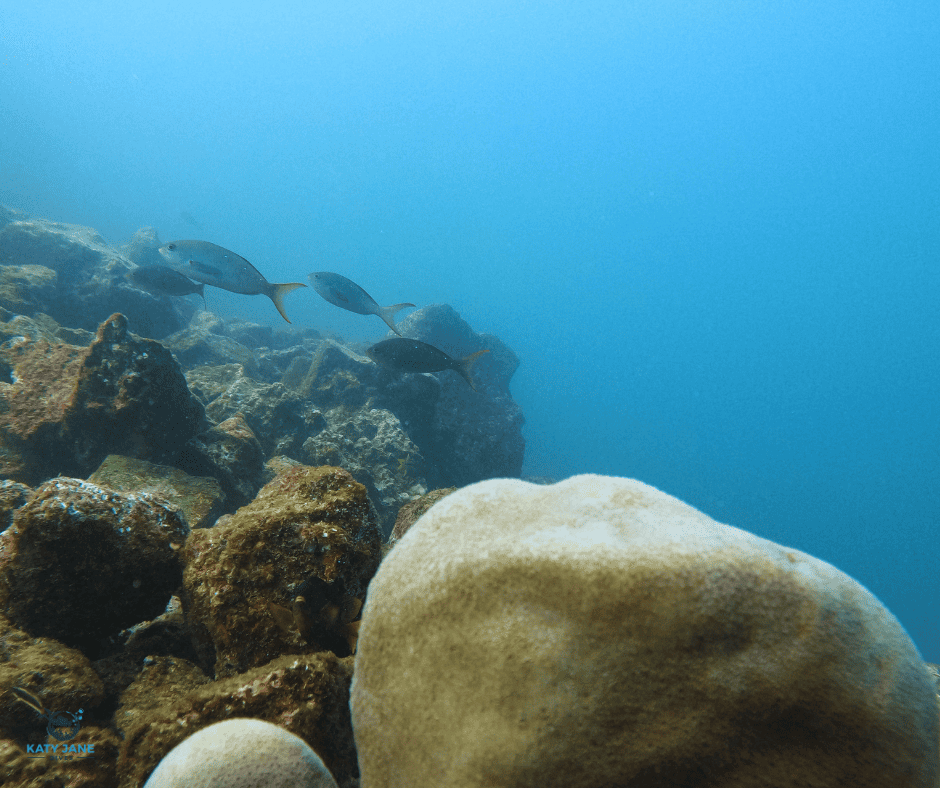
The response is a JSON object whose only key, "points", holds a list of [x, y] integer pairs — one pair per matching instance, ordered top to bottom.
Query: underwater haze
{"points": [[710, 231]]}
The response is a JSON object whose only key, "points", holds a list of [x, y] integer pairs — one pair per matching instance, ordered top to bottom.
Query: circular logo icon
{"points": [[63, 725]]}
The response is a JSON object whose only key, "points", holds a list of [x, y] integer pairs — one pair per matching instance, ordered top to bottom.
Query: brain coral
{"points": [[598, 632], [241, 753]]}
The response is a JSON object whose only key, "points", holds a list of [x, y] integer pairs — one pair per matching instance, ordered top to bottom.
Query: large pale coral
{"points": [[598, 632]]}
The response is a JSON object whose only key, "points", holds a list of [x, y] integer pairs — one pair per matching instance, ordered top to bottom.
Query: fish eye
{"points": [[171, 247]]}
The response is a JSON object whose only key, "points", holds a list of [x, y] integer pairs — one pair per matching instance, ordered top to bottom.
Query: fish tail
{"points": [[277, 293], [386, 313], [464, 365]]}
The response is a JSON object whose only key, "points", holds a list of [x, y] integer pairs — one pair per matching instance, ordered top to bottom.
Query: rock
{"points": [[142, 248], [90, 282], [24, 289], [205, 343], [68, 407], [279, 418], [373, 447], [231, 454], [12, 496], [199, 499], [412, 511], [309, 543], [85, 562], [600, 632], [135, 647], [61, 678], [307, 695], [242, 753]]}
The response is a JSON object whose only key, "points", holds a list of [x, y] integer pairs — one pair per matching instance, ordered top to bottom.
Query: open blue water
{"points": [[711, 231]]}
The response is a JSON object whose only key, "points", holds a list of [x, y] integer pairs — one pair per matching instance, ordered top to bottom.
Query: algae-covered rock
{"points": [[68, 407], [231, 454], [198, 498], [412, 511], [85, 562], [282, 574], [600, 632], [61, 678], [306, 695]]}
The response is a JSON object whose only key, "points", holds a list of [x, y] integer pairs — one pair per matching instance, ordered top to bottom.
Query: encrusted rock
{"points": [[90, 284], [24, 289], [204, 342], [68, 407], [279, 418], [373, 447], [230, 453], [12, 496], [198, 498], [412, 511], [86, 562], [281, 574], [600, 632], [62, 678], [307, 695]]}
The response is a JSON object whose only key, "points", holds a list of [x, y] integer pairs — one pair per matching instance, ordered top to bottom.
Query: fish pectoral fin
{"points": [[206, 269], [278, 292]]}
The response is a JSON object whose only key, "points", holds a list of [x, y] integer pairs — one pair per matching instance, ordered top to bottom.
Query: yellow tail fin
{"points": [[279, 291]]}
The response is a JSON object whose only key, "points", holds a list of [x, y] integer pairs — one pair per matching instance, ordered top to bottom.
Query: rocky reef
{"points": [[92, 366], [191, 510], [207, 521]]}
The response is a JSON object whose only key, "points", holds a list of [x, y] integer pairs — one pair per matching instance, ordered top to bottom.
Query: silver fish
{"points": [[205, 262], [346, 294]]}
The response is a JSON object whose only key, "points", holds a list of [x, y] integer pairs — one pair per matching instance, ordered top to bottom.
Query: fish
{"points": [[205, 262], [161, 280], [346, 294], [412, 355]]}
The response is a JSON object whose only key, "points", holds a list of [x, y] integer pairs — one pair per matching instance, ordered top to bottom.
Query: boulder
{"points": [[90, 282], [67, 407], [198, 499], [85, 562], [283, 575], [600, 632]]}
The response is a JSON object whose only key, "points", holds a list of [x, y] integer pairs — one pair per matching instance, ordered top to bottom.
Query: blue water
{"points": [[710, 231]]}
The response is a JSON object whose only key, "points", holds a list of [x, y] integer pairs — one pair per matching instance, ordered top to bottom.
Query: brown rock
{"points": [[69, 407], [231, 454], [198, 498], [412, 511], [310, 533], [86, 562], [59, 676], [307, 695]]}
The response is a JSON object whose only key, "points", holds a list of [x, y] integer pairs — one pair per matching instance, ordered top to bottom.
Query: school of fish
{"points": [[190, 265]]}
